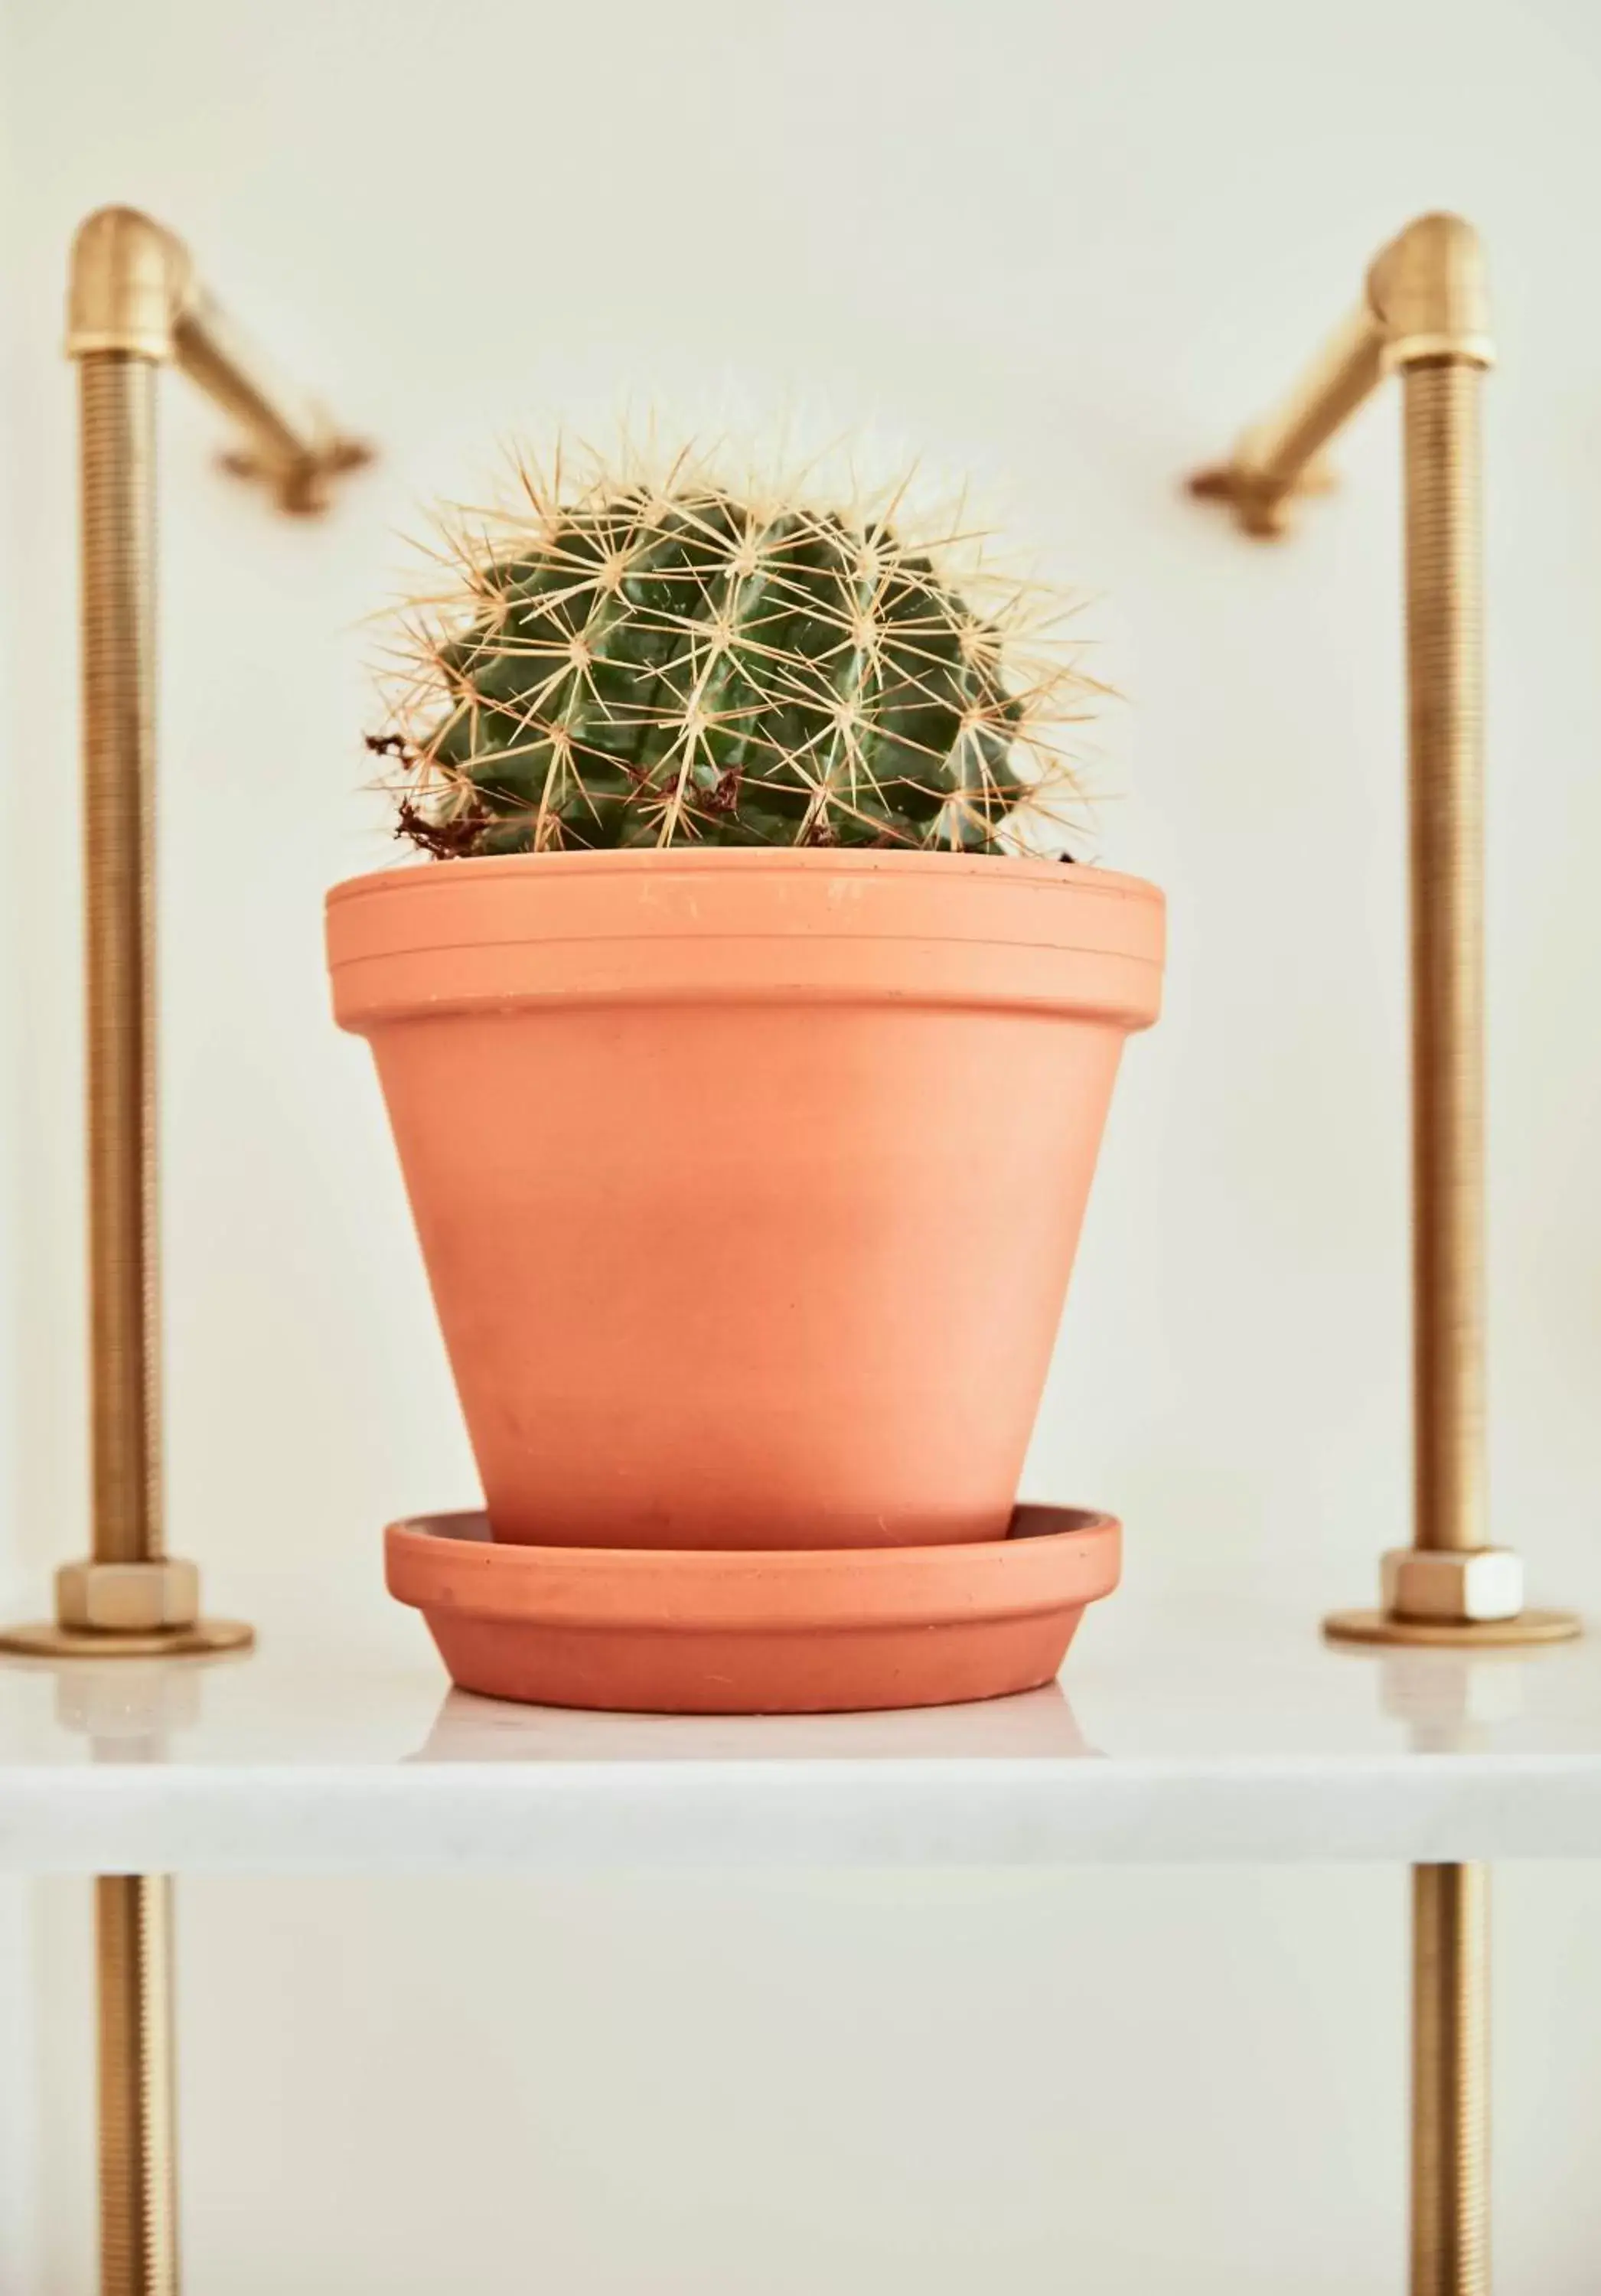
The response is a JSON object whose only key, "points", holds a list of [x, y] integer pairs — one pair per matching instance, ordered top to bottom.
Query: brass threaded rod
{"points": [[117, 401], [1444, 654], [1450, 2080], [138, 2151]]}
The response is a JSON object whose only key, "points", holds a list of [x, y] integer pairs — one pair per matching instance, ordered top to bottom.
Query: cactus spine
{"points": [[630, 662]]}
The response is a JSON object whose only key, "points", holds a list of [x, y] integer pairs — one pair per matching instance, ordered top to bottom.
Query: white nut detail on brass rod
{"points": [[1475, 1585], [127, 1597]]}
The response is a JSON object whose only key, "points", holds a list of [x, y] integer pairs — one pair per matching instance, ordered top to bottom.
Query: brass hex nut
{"points": [[1478, 1584], [127, 1597]]}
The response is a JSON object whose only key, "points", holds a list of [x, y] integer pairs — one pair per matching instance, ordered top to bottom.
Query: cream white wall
{"points": [[1071, 248]]}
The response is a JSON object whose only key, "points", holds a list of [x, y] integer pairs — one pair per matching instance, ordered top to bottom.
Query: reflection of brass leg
{"points": [[1450, 2080], [138, 2158]]}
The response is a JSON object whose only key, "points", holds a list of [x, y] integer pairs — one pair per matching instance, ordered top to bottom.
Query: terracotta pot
{"points": [[749, 1182]]}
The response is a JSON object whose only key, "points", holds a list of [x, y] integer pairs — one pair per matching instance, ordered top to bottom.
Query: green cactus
{"points": [[636, 664]]}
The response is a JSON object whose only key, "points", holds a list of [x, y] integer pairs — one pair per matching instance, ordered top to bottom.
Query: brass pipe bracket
{"points": [[133, 290], [1425, 299], [134, 305], [1425, 314]]}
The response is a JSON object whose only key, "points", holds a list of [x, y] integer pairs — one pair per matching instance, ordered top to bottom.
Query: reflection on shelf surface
{"points": [[1183, 1730]]}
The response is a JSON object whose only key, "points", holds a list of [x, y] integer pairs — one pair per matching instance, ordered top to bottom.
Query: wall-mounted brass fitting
{"points": [[133, 292], [1425, 302]]}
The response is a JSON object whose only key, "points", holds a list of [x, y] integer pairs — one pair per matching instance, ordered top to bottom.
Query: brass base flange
{"points": [[300, 484], [1261, 505], [1527, 1628], [201, 1639]]}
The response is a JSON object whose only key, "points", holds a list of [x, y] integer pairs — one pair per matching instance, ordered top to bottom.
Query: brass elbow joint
{"points": [[129, 283], [1428, 295]]}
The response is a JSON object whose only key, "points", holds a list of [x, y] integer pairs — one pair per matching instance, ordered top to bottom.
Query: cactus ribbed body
{"points": [[654, 665]]}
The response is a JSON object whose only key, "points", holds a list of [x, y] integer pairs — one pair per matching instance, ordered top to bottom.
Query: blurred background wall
{"points": [[1070, 249]]}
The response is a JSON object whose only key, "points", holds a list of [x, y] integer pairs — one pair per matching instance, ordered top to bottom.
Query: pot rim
{"points": [[404, 876], [744, 924]]}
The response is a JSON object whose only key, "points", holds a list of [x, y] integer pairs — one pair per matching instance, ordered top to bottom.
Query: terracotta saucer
{"points": [[827, 1630]]}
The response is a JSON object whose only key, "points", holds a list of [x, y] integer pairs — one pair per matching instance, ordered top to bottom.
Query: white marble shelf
{"points": [[1228, 1734]]}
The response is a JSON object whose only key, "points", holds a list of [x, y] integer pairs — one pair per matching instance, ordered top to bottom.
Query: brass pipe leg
{"points": [[118, 464], [1445, 682], [1451, 1586], [130, 1598], [1450, 2080], [138, 2151]]}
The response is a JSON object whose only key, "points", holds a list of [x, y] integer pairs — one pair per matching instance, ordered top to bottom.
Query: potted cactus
{"points": [[747, 1061]]}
